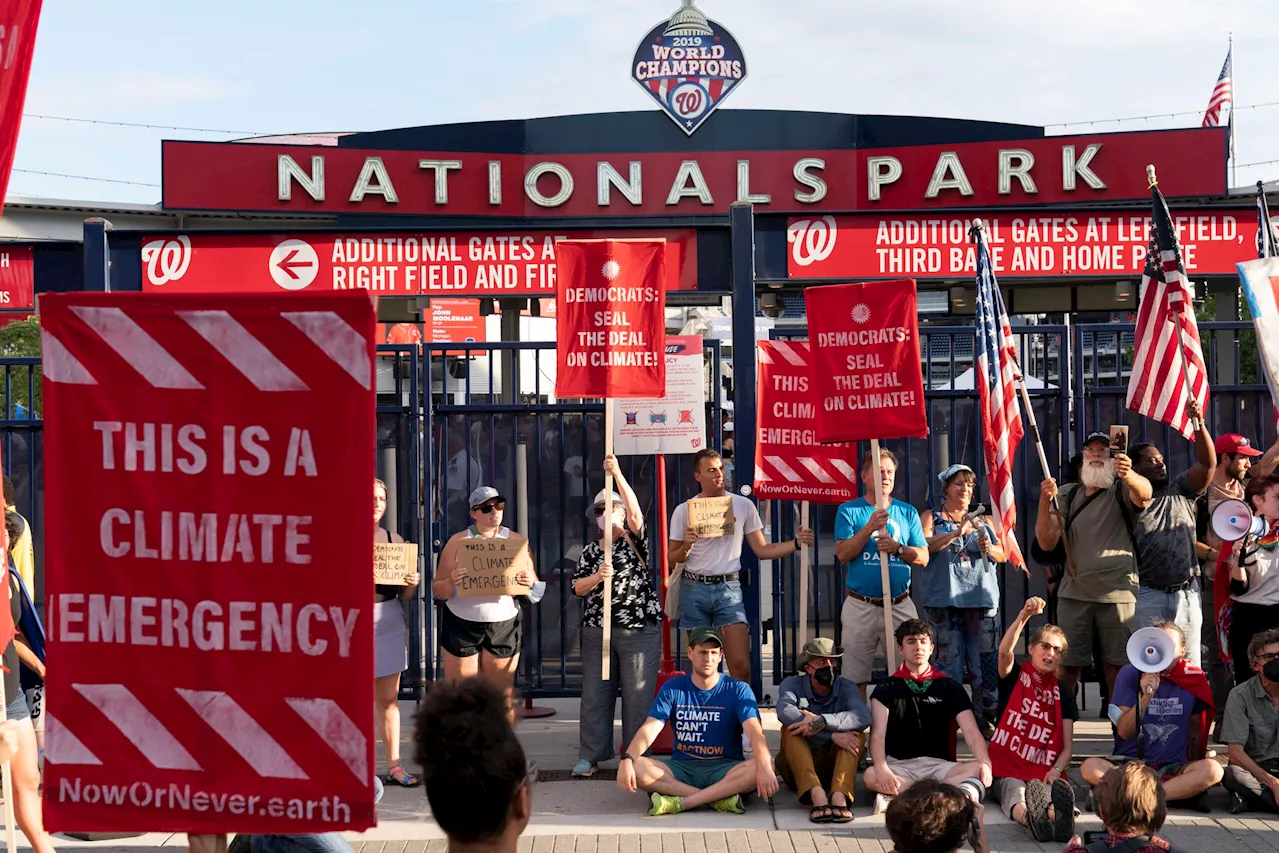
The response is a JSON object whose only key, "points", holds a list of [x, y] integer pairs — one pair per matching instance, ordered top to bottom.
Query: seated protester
{"points": [[1164, 708], [709, 713], [913, 716], [823, 718], [1249, 730], [1031, 748], [478, 783], [1131, 803], [934, 817], [323, 842]]}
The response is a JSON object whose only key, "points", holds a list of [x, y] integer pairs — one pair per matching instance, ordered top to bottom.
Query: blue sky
{"points": [[281, 66]]}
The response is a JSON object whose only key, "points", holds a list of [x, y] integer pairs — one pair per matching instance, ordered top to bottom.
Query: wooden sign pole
{"points": [[607, 619], [803, 630], [890, 658]]}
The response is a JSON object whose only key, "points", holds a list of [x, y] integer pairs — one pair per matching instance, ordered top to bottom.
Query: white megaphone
{"points": [[1232, 520], [1150, 650]]}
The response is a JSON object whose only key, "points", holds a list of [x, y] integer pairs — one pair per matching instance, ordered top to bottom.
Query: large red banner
{"points": [[18, 21], [1024, 244], [443, 263], [17, 277], [610, 324], [866, 361], [790, 463], [210, 657]]}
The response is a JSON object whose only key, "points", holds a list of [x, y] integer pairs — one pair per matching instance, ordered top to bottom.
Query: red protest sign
{"points": [[610, 328], [866, 366], [790, 463], [210, 644]]}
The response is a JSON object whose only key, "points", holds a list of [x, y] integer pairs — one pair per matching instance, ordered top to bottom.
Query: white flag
{"points": [[1259, 279]]}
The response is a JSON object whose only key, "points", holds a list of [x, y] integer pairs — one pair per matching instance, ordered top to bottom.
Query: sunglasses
{"points": [[487, 508], [599, 511], [1057, 650], [1265, 657]]}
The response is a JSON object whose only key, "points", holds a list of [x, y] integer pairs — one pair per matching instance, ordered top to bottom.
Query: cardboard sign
{"points": [[610, 323], [866, 381], [674, 423], [790, 463], [711, 517], [394, 561], [492, 565], [210, 649]]}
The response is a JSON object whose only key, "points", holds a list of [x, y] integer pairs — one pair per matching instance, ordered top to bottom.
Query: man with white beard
{"points": [[1101, 585]]}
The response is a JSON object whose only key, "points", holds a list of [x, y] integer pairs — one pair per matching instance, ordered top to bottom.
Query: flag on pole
{"points": [[18, 19], [1219, 109], [1266, 233], [1260, 281], [996, 375], [1158, 383]]}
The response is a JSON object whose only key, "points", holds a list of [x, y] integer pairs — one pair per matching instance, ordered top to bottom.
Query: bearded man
{"points": [[1096, 517]]}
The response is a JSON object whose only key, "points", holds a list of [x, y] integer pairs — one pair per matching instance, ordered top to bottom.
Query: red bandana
{"points": [[927, 675], [1192, 679]]}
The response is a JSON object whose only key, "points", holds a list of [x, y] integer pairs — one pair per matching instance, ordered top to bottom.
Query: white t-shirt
{"points": [[721, 555], [1260, 568], [484, 608]]}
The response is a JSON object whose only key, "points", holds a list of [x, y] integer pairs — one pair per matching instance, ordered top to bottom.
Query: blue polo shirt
{"points": [[862, 573]]}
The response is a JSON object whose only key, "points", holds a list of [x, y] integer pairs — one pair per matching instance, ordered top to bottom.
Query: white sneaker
{"points": [[746, 744], [882, 803]]}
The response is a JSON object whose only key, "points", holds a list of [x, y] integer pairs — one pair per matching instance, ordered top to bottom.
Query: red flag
{"points": [[18, 19]]}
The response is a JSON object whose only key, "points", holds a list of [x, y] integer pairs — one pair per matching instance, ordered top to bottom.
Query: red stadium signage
{"points": [[17, 277]]}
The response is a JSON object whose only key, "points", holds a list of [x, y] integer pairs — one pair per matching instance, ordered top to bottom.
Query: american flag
{"points": [[1220, 100], [1266, 232], [996, 375], [1157, 385]]}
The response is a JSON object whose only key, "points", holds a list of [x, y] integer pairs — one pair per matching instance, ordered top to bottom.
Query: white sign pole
{"points": [[607, 619], [803, 630], [890, 656]]}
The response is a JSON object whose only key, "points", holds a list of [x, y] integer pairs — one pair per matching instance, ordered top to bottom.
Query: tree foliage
{"points": [[21, 339]]}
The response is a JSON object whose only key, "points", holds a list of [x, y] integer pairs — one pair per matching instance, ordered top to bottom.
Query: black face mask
{"points": [[1271, 670], [825, 676]]}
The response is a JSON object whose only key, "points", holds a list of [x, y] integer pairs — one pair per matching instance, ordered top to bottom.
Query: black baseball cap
{"points": [[1097, 436], [698, 636]]}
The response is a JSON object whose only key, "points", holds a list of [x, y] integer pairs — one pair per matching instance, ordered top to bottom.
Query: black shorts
{"points": [[463, 638]]}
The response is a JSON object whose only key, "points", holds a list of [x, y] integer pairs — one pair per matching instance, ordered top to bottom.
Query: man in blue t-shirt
{"points": [[863, 533], [1168, 706], [709, 713]]}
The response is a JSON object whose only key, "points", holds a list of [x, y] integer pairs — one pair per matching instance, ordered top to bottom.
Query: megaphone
{"points": [[1232, 520], [1151, 650]]}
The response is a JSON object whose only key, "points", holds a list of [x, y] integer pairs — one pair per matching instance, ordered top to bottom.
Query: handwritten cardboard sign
{"points": [[711, 517], [394, 561], [492, 565]]}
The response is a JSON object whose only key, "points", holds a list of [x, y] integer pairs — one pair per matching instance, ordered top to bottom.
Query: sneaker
{"points": [[746, 744], [583, 769], [1063, 796], [661, 804], [882, 804], [730, 805], [1037, 805], [1238, 805]]}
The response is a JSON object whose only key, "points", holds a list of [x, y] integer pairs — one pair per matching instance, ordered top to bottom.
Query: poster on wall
{"points": [[675, 423]]}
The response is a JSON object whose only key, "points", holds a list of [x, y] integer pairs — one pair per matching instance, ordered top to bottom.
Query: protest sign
{"points": [[610, 328], [866, 361], [675, 422], [711, 517], [394, 561], [492, 565], [210, 648]]}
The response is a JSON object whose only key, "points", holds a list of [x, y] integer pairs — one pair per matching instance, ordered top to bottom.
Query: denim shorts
{"points": [[710, 604], [17, 709]]}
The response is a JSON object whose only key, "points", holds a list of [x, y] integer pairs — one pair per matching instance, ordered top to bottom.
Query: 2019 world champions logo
{"points": [[689, 65]]}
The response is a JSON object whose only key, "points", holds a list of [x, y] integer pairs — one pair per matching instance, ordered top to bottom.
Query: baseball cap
{"points": [[1097, 436], [1235, 443], [951, 471], [482, 494], [698, 636]]}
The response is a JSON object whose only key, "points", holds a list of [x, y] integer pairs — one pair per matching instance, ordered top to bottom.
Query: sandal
{"points": [[404, 779], [816, 814], [841, 814]]}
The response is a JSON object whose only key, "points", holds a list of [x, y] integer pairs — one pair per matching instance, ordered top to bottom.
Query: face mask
{"points": [[617, 521], [1271, 670], [825, 676]]}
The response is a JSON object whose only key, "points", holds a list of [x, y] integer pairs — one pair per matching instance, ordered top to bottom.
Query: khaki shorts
{"points": [[1113, 622], [863, 636], [915, 769], [1011, 793]]}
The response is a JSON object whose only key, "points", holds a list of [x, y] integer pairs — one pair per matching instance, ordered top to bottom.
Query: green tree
{"points": [[21, 339], [1247, 339]]}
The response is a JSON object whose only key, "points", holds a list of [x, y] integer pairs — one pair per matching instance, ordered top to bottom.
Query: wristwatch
{"points": [[796, 542], [899, 551], [626, 756]]}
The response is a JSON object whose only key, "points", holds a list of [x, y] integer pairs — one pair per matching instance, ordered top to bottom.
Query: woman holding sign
{"points": [[636, 640], [391, 654]]}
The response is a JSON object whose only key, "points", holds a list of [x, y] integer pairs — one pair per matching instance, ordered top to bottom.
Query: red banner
{"points": [[18, 21], [1097, 242], [446, 263], [17, 277], [610, 324], [866, 365], [790, 463], [210, 636]]}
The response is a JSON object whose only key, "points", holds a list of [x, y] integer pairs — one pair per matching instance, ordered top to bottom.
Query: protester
{"points": [[895, 528], [1165, 535], [22, 554], [1054, 562], [1255, 578], [1101, 584], [710, 590], [960, 590], [479, 634], [635, 641], [391, 654], [709, 713], [914, 714], [823, 719], [1159, 723], [1249, 728], [1031, 748], [478, 782], [1131, 803], [934, 817], [321, 842]]}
